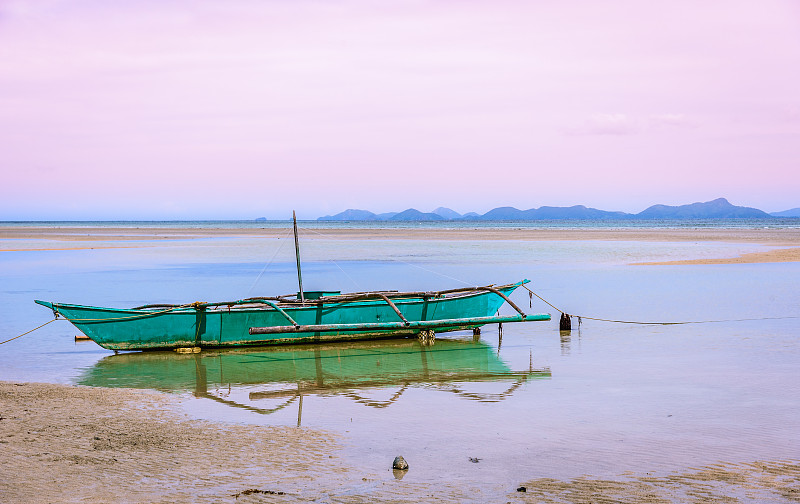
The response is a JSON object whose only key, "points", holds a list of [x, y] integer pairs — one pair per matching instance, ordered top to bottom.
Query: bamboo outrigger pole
{"points": [[297, 254], [465, 322]]}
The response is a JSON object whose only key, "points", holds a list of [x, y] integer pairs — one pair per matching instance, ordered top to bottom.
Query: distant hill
{"points": [[719, 208], [574, 212], [794, 212], [447, 213], [503, 213], [552, 213], [413, 214], [350, 215], [365, 215]]}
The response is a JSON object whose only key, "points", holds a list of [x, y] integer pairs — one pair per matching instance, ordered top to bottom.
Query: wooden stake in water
{"points": [[297, 254], [565, 324], [300, 406]]}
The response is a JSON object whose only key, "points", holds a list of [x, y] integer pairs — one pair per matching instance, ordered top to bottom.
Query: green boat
{"points": [[307, 317], [313, 317], [267, 380]]}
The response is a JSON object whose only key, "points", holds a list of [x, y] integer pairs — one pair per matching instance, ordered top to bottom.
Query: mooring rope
{"points": [[325, 235], [267, 265], [432, 271], [358, 286], [196, 304], [112, 319], [683, 322], [23, 334]]}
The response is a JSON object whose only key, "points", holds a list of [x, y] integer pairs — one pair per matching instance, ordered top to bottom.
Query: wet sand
{"points": [[69, 238], [770, 256], [82, 444], [777, 481]]}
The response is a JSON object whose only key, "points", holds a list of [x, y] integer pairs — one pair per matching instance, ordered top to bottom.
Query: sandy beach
{"points": [[78, 238], [770, 256], [83, 444]]}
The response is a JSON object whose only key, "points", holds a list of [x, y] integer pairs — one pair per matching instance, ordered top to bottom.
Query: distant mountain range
{"points": [[717, 209], [794, 212]]}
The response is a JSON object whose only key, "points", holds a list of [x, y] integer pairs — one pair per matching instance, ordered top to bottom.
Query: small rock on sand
{"points": [[400, 463]]}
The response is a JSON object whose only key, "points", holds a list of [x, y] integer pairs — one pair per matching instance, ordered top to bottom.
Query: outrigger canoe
{"points": [[308, 317]]}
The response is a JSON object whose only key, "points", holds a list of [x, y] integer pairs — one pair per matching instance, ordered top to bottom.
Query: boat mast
{"points": [[297, 254]]}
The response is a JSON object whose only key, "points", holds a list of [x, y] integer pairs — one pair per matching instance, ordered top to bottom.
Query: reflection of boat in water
{"points": [[288, 373]]}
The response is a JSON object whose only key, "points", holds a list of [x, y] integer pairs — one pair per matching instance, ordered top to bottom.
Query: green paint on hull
{"points": [[211, 326]]}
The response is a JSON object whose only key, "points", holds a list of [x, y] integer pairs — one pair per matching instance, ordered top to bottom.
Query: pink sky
{"points": [[245, 108]]}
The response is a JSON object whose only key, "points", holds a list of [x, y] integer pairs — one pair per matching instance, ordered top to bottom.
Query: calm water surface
{"points": [[605, 399]]}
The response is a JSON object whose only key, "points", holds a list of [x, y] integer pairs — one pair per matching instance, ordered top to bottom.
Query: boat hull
{"points": [[229, 326]]}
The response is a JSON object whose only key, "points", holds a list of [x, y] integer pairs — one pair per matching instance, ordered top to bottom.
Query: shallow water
{"points": [[605, 399]]}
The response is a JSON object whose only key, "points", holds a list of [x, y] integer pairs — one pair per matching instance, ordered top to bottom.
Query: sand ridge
{"points": [[777, 237], [19, 238], [769, 256], [83, 444], [773, 481]]}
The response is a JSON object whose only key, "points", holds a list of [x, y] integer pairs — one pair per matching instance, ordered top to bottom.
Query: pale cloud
{"points": [[792, 112], [669, 119], [607, 124], [620, 124]]}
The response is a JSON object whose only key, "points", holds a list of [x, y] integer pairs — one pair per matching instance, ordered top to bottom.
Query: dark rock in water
{"points": [[400, 463], [522, 489]]}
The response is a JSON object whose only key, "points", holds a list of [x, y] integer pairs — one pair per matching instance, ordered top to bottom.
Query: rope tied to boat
{"points": [[196, 305], [682, 322], [28, 332]]}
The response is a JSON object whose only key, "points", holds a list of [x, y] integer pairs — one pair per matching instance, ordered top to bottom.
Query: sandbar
{"points": [[771, 236], [71, 238], [769, 256], [82, 444], [760, 481]]}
